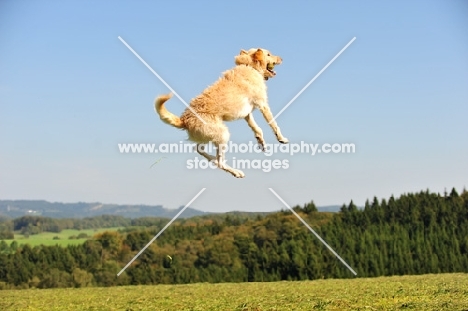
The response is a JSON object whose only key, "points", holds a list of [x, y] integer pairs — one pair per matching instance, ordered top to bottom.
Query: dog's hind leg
{"points": [[256, 129], [218, 134], [201, 151], [221, 161]]}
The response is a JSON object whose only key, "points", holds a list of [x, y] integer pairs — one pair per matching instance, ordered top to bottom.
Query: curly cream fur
{"points": [[234, 96]]}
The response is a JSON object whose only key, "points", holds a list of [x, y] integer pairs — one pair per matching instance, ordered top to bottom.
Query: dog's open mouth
{"points": [[270, 68]]}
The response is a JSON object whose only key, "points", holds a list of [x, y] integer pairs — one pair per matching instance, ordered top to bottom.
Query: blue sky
{"points": [[70, 91]]}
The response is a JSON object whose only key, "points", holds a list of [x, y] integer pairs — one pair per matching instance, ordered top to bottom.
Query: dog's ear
{"points": [[258, 55]]}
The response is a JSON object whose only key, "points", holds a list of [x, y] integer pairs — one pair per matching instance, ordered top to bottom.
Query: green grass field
{"points": [[47, 238], [426, 292]]}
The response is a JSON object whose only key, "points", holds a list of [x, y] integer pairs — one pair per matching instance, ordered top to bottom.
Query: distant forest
{"points": [[416, 233]]}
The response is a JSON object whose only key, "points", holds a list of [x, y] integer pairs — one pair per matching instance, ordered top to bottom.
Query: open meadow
{"points": [[61, 238], [424, 292]]}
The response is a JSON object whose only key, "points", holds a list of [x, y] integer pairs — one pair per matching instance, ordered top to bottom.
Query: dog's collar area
{"points": [[261, 70]]}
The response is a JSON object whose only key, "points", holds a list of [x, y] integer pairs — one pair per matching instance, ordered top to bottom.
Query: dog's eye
{"points": [[269, 54]]}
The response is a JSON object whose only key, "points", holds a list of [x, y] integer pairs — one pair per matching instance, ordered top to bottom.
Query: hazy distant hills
{"points": [[18, 208], [329, 208]]}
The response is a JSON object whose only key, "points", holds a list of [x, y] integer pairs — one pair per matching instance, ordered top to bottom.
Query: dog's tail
{"points": [[164, 114]]}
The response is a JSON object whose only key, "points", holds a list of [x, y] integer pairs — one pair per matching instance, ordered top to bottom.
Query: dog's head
{"points": [[260, 59]]}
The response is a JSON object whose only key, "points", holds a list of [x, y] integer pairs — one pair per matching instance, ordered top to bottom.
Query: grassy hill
{"points": [[62, 238], [424, 292]]}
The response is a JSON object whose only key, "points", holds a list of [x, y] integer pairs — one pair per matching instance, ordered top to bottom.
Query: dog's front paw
{"points": [[283, 140], [261, 143], [261, 146]]}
